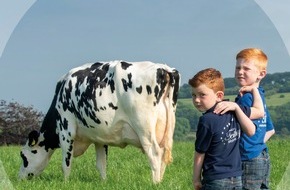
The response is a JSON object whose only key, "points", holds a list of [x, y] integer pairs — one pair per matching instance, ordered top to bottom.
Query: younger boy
{"points": [[251, 68], [217, 156]]}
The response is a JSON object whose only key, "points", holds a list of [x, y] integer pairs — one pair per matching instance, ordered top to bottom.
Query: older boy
{"points": [[251, 68], [217, 157]]}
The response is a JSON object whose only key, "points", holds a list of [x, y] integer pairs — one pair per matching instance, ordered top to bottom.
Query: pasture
{"points": [[276, 99], [127, 169]]}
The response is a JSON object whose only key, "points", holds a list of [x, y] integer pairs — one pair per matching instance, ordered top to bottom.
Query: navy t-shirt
{"points": [[218, 138]]}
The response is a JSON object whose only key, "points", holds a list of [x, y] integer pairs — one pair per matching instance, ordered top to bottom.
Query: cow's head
{"points": [[34, 156]]}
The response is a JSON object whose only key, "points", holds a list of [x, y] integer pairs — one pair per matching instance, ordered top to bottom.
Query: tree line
{"points": [[16, 121]]}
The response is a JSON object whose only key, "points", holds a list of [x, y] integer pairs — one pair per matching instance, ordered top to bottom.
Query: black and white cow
{"points": [[117, 104]]}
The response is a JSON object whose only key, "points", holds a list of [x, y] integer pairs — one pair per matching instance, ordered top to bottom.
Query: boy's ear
{"points": [[262, 74], [220, 95]]}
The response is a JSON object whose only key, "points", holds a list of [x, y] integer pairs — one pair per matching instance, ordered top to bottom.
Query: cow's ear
{"points": [[33, 138]]}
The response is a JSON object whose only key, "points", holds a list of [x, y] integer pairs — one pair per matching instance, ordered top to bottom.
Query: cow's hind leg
{"points": [[154, 154], [101, 157], [162, 169]]}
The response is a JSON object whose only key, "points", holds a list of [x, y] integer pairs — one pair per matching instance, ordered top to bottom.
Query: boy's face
{"points": [[247, 74], [204, 98]]}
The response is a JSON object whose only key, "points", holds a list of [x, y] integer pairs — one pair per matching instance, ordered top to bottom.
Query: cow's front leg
{"points": [[67, 156], [101, 159]]}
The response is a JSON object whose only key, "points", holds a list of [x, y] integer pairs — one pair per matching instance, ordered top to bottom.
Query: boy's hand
{"points": [[245, 89], [225, 106], [197, 185]]}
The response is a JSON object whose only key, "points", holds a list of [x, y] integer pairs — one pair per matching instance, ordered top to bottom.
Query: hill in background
{"points": [[272, 83]]}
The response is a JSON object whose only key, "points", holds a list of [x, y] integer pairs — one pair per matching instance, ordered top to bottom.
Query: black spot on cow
{"points": [[125, 65], [106, 67], [162, 78], [174, 81], [127, 83], [112, 85], [139, 89], [148, 89], [68, 92], [156, 93], [111, 105], [93, 116], [65, 124], [71, 145], [34, 151], [68, 154], [24, 159], [67, 159]]}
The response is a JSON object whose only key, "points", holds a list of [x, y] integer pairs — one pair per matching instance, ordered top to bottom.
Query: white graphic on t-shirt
{"points": [[229, 135]]}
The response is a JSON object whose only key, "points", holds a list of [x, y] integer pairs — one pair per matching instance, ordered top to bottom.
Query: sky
{"points": [[42, 40]]}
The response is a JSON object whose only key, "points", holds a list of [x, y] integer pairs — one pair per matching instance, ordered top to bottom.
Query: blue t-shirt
{"points": [[218, 137], [251, 147]]}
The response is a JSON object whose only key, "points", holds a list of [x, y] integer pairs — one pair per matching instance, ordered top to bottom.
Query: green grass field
{"points": [[127, 169]]}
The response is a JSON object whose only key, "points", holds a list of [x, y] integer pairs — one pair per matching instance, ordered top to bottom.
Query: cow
{"points": [[115, 103]]}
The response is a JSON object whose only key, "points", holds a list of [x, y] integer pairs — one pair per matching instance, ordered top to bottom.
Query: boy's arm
{"points": [[257, 109], [246, 123], [197, 167]]}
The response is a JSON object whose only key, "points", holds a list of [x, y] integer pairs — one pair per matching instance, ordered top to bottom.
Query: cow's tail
{"points": [[171, 93]]}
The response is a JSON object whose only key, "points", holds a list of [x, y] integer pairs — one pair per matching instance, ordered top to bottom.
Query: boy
{"points": [[251, 68], [217, 156]]}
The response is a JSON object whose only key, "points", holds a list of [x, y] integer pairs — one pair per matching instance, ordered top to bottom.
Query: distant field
{"points": [[277, 99], [127, 169]]}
